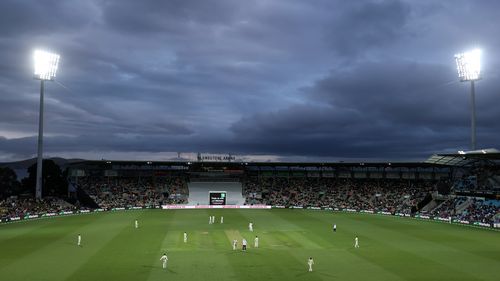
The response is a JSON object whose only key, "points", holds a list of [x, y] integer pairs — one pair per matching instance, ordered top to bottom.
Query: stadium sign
{"points": [[215, 157], [217, 197], [169, 207], [237, 207], [49, 215], [403, 215], [27, 217], [423, 217]]}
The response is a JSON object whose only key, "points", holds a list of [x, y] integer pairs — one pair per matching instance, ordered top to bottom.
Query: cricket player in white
{"points": [[213, 219], [221, 219], [210, 220], [136, 224], [250, 226], [334, 228], [185, 237], [79, 240], [256, 242], [356, 243], [235, 244], [244, 244], [164, 259], [310, 262]]}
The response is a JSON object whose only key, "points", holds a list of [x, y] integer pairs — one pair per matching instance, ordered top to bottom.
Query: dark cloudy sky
{"points": [[269, 79]]}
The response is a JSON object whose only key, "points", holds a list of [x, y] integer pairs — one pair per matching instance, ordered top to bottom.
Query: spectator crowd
{"points": [[113, 192], [366, 194], [387, 195], [20, 207], [469, 209]]}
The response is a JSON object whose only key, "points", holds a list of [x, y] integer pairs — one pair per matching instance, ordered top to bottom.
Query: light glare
{"points": [[45, 65], [469, 65]]}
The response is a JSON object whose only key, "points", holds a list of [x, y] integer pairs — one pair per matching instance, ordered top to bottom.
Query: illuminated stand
{"points": [[469, 69], [45, 70]]}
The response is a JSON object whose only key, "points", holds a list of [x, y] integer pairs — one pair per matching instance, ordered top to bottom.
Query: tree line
{"points": [[54, 181]]}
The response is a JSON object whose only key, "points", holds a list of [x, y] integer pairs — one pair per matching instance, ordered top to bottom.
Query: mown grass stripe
{"points": [[391, 248]]}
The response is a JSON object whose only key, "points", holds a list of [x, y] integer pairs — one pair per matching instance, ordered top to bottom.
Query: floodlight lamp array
{"points": [[45, 65], [469, 65]]}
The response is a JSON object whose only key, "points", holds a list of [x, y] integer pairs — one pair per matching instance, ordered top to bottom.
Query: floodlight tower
{"points": [[469, 69], [45, 70]]}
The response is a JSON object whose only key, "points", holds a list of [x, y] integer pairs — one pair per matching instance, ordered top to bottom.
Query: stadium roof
{"points": [[465, 158], [240, 163]]}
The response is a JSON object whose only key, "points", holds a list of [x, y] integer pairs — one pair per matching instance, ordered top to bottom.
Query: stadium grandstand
{"points": [[461, 188]]}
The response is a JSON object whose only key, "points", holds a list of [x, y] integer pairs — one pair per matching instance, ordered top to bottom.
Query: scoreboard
{"points": [[217, 197]]}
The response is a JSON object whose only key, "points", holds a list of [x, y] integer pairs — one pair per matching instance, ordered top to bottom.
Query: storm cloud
{"points": [[306, 80]]}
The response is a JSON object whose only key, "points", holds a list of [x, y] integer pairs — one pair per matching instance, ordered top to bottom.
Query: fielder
{"points": [[213, 219], [221, 219], [210, 220], [136, 224], [250, 226], [334, 228], [185, 237], [79, 240], [256, 242], [356, 242], [235, 244], [244, 244], [164, 259], [310, 262]]}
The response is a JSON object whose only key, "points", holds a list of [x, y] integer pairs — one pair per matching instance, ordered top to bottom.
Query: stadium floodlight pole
{"points": [[469, 69], [45, 70]]}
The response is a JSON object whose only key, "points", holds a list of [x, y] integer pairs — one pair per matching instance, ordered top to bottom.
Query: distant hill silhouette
{"points": [[24, 164]]}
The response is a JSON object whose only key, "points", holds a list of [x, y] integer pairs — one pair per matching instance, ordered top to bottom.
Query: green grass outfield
{"points": [[391, 248]]}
